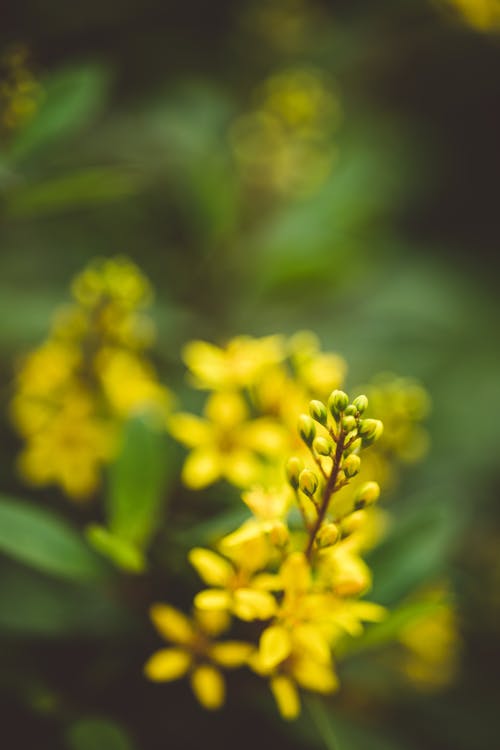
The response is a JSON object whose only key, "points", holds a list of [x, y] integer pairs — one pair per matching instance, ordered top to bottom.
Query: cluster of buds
{"points": [[334, 433]]}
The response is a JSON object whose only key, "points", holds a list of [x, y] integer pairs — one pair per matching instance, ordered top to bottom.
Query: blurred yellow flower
{"points": [[483, 15], [285, 143], [76, 389], [226, 443], [194, 653]]}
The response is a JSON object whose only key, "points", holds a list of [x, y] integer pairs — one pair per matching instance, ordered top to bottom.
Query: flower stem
{"points": [[327, 493]]}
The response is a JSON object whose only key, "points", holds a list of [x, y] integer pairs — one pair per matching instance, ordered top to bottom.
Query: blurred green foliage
{"points": [[392, 261]]}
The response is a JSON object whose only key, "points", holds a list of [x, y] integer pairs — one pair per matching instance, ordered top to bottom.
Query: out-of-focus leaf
{"points": [[71, 98], [85, 187], [137, 480], [37, 537], [417, 549], [122, 552], [34, 605], [336, 733], [97, 734]]}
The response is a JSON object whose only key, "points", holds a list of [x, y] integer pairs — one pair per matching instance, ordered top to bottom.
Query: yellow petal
{"points": [[205, 361], [226, 409], [190, 430], [264, 436], [201, 468], [241, 468], [210, 566], [296, 574], [213, 599], [249, 604], [213, 621], [171, 624], [312, 642], [275, 645], [231, 653], [167, 664], [314, 676], [208, 686], [286, 696]]}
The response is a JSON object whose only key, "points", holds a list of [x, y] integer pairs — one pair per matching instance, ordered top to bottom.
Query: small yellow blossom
{"points": [[239, 364], [226, 443], [233, 589], [194, 653]]}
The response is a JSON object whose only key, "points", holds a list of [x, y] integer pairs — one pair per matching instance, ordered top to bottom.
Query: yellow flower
{"points": [[238, 365], [129, 383], [74, 392], [226, 444], [68, 450], [233, 589], [194, 653]]}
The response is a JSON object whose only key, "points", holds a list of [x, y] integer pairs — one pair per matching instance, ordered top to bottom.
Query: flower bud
{"points": [[337, 402], [361, 403], [351, 411], [318, 412], [348, 424], [307, 429], [370, 430], [322, 446], [354, 446], [351, 465], [293, 468], [308, 482], [368, 494], [354, 522], [279, 534], [327, 535]]}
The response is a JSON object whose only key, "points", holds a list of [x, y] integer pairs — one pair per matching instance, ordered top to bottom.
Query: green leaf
{"points": [[71, 98], [85, 187], [137, 480], [37, 537], [417, 550], [123, 553], [33, 605], [337, 733], [97, 734]]}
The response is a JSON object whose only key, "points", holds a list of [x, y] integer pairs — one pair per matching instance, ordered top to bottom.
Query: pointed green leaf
{"points": [[39, 538]]}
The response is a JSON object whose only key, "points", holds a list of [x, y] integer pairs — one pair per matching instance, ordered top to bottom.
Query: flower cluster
{"points": [[19, 90], [284, 144], [258, 386], [75, 390], [293, 572]]}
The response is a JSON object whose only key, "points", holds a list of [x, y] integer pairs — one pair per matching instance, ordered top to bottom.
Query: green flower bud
{"points": [[337, 402], [361, 403], [351, 411], [318, 412], [348, 424], [307, 429], [370, 430], [355, 445], [322, 446], [351, 465], [293, 468], [308, 482], [368, 494], [354, 522], [279, 534], [327, 535]]}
